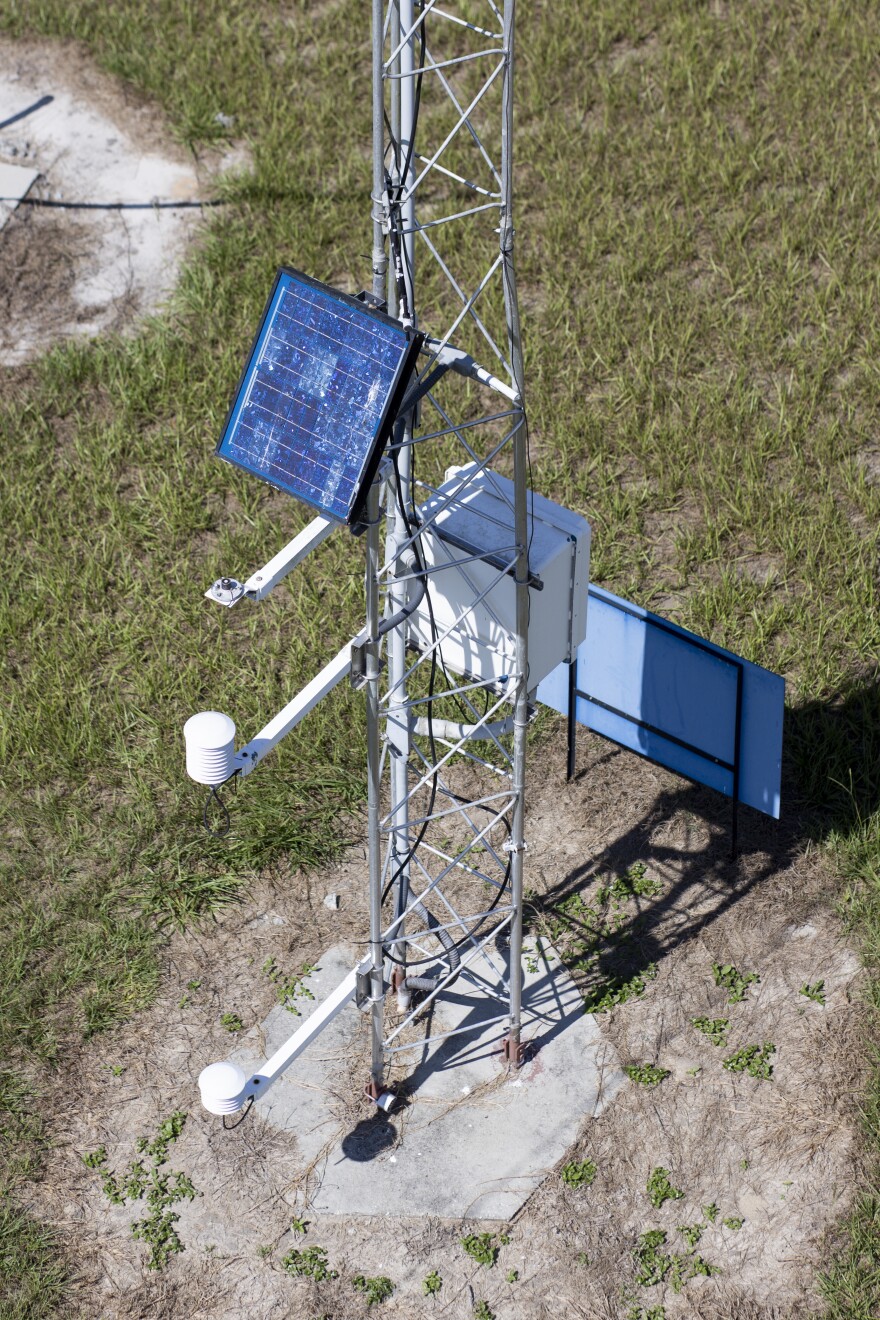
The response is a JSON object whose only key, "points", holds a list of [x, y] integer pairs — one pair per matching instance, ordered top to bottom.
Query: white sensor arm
{"points": [[457, 360], [261, 583], [226, 591], [333, 673], [292, 1048], [223, 1087]]}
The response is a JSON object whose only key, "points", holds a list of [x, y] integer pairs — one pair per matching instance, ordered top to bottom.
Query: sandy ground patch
{"points": [[80, 272], [777, 1154]]}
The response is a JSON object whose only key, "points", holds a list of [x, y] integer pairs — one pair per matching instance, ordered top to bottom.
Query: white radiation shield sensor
{"points": [[210, 747], [221, 1086]]}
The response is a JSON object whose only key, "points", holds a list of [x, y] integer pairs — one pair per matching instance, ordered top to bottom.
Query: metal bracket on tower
{"points": [[378, 304], [358, 676], [510, 847], [363, 997], [513, 1051]]}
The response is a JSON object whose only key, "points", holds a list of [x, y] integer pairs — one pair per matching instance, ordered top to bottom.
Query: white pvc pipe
{"points": [[454, 731]]}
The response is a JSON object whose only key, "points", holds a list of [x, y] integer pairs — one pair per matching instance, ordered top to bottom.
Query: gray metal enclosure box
{"points": [[476, 600]]}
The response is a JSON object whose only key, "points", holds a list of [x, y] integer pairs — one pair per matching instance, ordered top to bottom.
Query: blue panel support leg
{"points": [[572, 716], [737, 756]]}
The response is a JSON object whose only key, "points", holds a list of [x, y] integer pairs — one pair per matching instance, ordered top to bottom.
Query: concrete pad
{"points": [[15, 181], [69, 271], [472, 1140]]}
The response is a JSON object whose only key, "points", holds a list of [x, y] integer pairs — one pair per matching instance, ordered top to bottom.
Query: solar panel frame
{"points": [[365, 465]]}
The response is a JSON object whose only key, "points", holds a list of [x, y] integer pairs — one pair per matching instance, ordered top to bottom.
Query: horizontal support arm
{"points": [[259, 584], [227, 591], [296, 710], [453, 729], [300, 1041], [224, 1087]]}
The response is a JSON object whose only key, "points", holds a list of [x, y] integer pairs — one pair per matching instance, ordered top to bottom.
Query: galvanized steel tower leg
{"points": [[455, 198], [398, 715], [374, 770], [517, 845], [377, 980]]}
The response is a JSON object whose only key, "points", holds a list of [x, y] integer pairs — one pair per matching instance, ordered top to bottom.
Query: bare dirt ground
{"points": [[81, 272], [776, 1153]]}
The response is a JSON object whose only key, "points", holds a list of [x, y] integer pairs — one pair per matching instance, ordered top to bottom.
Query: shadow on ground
{"points": [[831, 792]]}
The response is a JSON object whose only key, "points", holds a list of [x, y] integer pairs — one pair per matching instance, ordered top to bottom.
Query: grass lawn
{"points": [[699, 259]]}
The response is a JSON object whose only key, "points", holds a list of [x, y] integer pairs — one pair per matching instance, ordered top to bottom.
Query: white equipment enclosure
{"points": [[471, 518]]}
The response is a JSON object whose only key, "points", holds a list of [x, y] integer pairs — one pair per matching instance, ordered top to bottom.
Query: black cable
{"points": [[416, 104], [23, 114], [394, 144], [394, 191], [112, 206], [396, 257], [413, 533], [431, 681], [463, 711], [224, 810], [505, 882], [465, 939], [401, 962], [230, 1127]]}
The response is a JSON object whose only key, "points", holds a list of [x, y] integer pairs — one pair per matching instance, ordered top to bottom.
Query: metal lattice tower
{"points": [[446, 752]]}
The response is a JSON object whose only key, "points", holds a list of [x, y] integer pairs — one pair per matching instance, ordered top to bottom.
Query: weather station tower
{"points": [[400, 415]]}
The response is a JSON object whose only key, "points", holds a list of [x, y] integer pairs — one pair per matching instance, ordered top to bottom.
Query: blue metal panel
{"points": [[317, 397], [675, 698]]}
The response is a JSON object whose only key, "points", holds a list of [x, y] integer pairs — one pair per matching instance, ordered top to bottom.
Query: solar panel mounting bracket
{"points": [[370, 300]]}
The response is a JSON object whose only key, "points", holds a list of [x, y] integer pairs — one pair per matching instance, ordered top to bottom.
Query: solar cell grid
{"points": [[318, 396]]}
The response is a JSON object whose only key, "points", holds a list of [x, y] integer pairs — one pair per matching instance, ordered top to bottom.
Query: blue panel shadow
{"points": [[677, 699]]}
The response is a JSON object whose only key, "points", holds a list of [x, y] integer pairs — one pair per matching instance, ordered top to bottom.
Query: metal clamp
{"points": [[364, 990], [363, 994]]}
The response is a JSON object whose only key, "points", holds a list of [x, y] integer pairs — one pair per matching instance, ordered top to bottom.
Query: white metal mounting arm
{"points": [[462, 363], [261, 583], [226, 591], [252, 754], [292, 1048], [223, 1086]]}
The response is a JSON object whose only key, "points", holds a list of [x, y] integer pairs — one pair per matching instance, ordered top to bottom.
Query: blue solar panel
{"points": [[318, 397]]}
